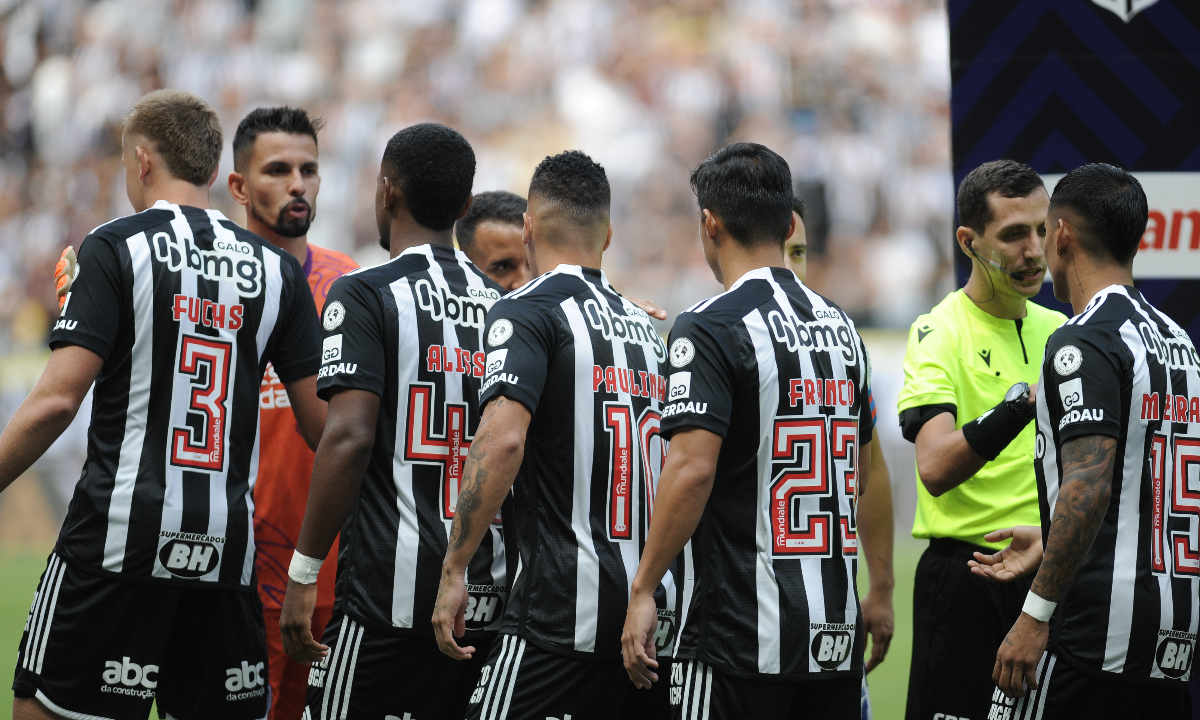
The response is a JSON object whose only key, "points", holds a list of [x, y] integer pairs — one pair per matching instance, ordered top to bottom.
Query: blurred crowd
{"points": [[854, 93]]}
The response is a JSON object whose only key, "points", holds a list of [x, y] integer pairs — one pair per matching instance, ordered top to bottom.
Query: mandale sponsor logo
{"points": [[231, 260], [207, 313], [637, 383]]}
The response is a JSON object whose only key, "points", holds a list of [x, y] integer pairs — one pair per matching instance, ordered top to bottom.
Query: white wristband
{"points": [[304, 570], [1038, 607]]}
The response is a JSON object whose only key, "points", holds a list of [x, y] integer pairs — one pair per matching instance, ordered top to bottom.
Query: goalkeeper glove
{"points": [[64, 274]]}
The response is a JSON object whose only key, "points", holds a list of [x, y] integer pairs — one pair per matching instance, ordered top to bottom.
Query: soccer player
{"points": [[276, 178], [490, 234], [174, 312], [402, 364], [966, 404], [570, 413], [770, 436], [874, 511], [1109, 626]]}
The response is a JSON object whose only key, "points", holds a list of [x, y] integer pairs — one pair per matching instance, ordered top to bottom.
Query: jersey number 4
{"points": [[200, 443], [449, 449], [819, 459], [1171, 477]]}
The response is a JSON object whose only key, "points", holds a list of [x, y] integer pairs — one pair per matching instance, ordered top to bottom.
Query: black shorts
{"points": [[959, 621], [99, 647], [373, 674], [522, 680], [700, 692], [1065, 693]]}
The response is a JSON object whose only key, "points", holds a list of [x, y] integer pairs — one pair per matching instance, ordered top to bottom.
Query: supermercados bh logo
{"points": [[230, 259], [464, 311], [634, 329], [828, 333], [188, 555], [485, 605], [664, 632], [831, 645], [1174, 654]]}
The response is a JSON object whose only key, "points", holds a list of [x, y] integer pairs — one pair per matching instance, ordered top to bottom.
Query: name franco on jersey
{"points": [[782, 375]]}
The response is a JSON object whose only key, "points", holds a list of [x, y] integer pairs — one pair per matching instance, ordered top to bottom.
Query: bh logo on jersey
{"points": [[186, 557], [485, 605], [664, 634], [831, 644], [1174, 656], [129, 678], [245, 682]]}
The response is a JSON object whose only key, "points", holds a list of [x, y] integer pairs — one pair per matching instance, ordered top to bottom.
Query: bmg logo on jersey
{"points": [[230, 259], [440, 304], [818, 335], [189, 556], [831, 645], [1174, 656], [129, 678], [245, 682]]}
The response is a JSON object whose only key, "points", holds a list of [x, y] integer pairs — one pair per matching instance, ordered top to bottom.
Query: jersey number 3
{"points": [[200, 443]]}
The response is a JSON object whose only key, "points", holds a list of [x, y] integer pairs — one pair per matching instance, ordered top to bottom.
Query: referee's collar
{"points": [[983, 316]]}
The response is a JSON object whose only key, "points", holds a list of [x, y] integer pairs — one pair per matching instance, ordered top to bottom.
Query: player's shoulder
{"points": [[121, 229], [326, 259], [402, 266], [548, 290], [753, 290], [1106, 313]]}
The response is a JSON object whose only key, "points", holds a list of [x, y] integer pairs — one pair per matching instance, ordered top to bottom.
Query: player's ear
{"points": [[143, 156], [237, 188], [463, 213], [791, 227], [526, 229], [608, 239]]}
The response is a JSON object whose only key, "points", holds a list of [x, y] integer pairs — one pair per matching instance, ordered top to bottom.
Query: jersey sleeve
{"points": [[92, 314], [520, 340], [352, 349], [931, 352], [297, 353], [1083, 373], [703, 376], [866, 410]]}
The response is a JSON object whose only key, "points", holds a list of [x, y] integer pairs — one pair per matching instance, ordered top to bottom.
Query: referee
{"points": [[965, 403]]}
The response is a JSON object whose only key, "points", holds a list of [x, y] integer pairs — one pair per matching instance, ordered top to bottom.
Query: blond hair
{"points": [[184, 129]]}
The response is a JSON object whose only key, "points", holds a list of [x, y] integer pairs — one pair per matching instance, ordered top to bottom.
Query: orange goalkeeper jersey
{"points": [[285, 463]]}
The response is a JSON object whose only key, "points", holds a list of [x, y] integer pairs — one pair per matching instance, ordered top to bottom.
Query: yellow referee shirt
{"points": [[960, 355]]}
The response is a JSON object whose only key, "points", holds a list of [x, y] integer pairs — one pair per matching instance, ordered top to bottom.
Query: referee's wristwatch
{"points": [[1017, 400]]}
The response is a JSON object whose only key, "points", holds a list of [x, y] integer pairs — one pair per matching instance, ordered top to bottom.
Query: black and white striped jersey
{"points": [[186, 308], [411, 331], [586, 362], [1124, 370], [782, 375]]}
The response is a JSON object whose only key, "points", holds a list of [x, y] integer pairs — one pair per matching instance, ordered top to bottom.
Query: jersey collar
{"points": [[584, 273], [762, 273]]}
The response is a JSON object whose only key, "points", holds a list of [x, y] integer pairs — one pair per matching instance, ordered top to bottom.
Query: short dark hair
{"points": [[284, 119], [185, 130], [434, 165], [1008, 178], [575, 183], [749, 187], [1110, 204], [493, 206], [799, 206]]}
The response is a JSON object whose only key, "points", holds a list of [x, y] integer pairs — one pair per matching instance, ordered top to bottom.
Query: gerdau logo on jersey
{"points": [[230, 259], [440, 304], [631, 329]]}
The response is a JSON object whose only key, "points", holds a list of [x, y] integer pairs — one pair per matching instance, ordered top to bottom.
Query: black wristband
{"points": [[992, 431]]}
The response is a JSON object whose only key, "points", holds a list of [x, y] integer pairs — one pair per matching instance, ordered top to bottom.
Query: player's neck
{"points": [[177, 192], [405, 234], [297, 247], [546, 257], [736, 260], [1085, 278], [993, 296]]}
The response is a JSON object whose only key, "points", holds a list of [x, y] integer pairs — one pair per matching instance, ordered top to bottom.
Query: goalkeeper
{"points": [[966, 403]]}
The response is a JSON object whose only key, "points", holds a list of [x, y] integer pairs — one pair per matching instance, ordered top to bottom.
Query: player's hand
{"points": [[64, 274], [649, 307], [1022, 556], [450, 615], [879, 619], [295, 624], [637, 639], [1015, 671]]}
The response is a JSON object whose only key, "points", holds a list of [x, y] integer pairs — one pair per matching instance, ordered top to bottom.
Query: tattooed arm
{"points": [[492, 464], [1082, 503]]}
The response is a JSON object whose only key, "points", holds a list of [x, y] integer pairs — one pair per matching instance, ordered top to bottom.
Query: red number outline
{"points": [[208, 400], [618, 423], [649, 425], [843, 436], [801, 443], [447, 450], [1185, 502]]}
